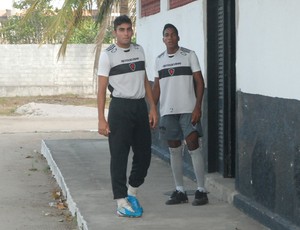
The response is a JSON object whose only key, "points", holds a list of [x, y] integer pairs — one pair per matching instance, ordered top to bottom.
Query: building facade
{"points": [[249, 54]]}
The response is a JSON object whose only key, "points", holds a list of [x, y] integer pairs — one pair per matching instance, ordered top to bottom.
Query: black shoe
{"points": [[177, 197], [200, 198]]}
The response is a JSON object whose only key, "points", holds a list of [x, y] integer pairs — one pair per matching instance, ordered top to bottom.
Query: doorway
{"points": [[221, 86]]}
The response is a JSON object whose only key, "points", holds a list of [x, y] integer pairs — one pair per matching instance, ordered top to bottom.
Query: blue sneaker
{"points": [[135, 204], [127, 212]]}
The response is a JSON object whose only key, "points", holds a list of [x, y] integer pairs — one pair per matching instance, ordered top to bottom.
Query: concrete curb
{"points": [[45, 151], [222, 188]]}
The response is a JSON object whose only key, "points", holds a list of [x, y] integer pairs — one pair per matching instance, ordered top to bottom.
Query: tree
{"points": [[71, 16], [14, 31], [32, 31]]}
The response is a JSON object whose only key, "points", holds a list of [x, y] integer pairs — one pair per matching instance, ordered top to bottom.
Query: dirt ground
{"points": [[8, 105], [30, 198]]}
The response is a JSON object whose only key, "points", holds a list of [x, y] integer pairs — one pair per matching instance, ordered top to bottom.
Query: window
{"points": [[178, 3], [149, 7]]}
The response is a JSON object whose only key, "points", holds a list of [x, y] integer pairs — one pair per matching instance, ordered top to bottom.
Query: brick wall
{"points": [[178, 3], [149, 7], [30, 70]]}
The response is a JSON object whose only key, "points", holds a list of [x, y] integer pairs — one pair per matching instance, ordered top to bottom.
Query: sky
{"points": [[5, 4]]}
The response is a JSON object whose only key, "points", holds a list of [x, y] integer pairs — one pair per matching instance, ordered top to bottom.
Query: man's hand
{"points": [[196, 115], [153, 117], [103, 128]]}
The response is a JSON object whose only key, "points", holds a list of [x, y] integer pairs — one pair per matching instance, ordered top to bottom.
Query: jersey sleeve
{"points": [[143, 52], [103, 65], [195, 65], [156, 68]]}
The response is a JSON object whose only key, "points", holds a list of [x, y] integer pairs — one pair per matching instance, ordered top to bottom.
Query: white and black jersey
{"points": [[125, 69], [175, 73]]}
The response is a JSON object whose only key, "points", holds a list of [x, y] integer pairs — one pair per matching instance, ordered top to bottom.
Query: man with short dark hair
{"points": [[122, 70], [179, 87]]}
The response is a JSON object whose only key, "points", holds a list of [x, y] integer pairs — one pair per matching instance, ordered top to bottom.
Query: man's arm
{"points": [[156, 90], [199, 90], [153, 117], [103, 127]]}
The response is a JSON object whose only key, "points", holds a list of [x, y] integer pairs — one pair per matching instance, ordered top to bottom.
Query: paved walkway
{"points": [[81, 167]]}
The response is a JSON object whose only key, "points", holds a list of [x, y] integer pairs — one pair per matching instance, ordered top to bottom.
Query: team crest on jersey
{"points": [[132, 66], [171, 71]]}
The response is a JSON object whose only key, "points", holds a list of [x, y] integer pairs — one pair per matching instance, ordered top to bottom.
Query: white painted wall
{"points": [[190, 22], [267, 42], [268, 47], [30, 70]]}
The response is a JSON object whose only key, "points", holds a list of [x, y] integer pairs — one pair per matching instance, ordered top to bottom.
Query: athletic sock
{"points": [[176, 165], [198, 165], [180, 188], [201, 189], [132, 191], [123, 203]]}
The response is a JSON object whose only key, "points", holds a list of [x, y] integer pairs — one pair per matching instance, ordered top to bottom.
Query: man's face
{"points": [[123, 34], [170, 38]]}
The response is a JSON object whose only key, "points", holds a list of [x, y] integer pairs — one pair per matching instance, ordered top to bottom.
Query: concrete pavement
{"points": [[82, 169]]}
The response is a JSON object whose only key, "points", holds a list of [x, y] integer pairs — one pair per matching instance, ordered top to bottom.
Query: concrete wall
{"points": [[191, 30], [268, 50], [30, 70], [268, 107], [268, 160]]}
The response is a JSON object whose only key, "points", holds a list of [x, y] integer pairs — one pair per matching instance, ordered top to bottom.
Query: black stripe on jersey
{"points": [[185, 50], [127, 68], [170, 72], [111, 89]]}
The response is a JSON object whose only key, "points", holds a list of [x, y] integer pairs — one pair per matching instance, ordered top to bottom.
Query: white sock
{"points": [[176, 165], [198, 165], [180, 188], [201, 189], [132, 191], [123, 203]]}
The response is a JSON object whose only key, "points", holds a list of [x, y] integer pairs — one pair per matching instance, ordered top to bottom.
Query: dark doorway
{"points": [[221, 86]]}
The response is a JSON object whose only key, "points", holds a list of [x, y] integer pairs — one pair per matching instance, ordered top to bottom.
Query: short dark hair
{"points": [[120, 20], [167, 26]]}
